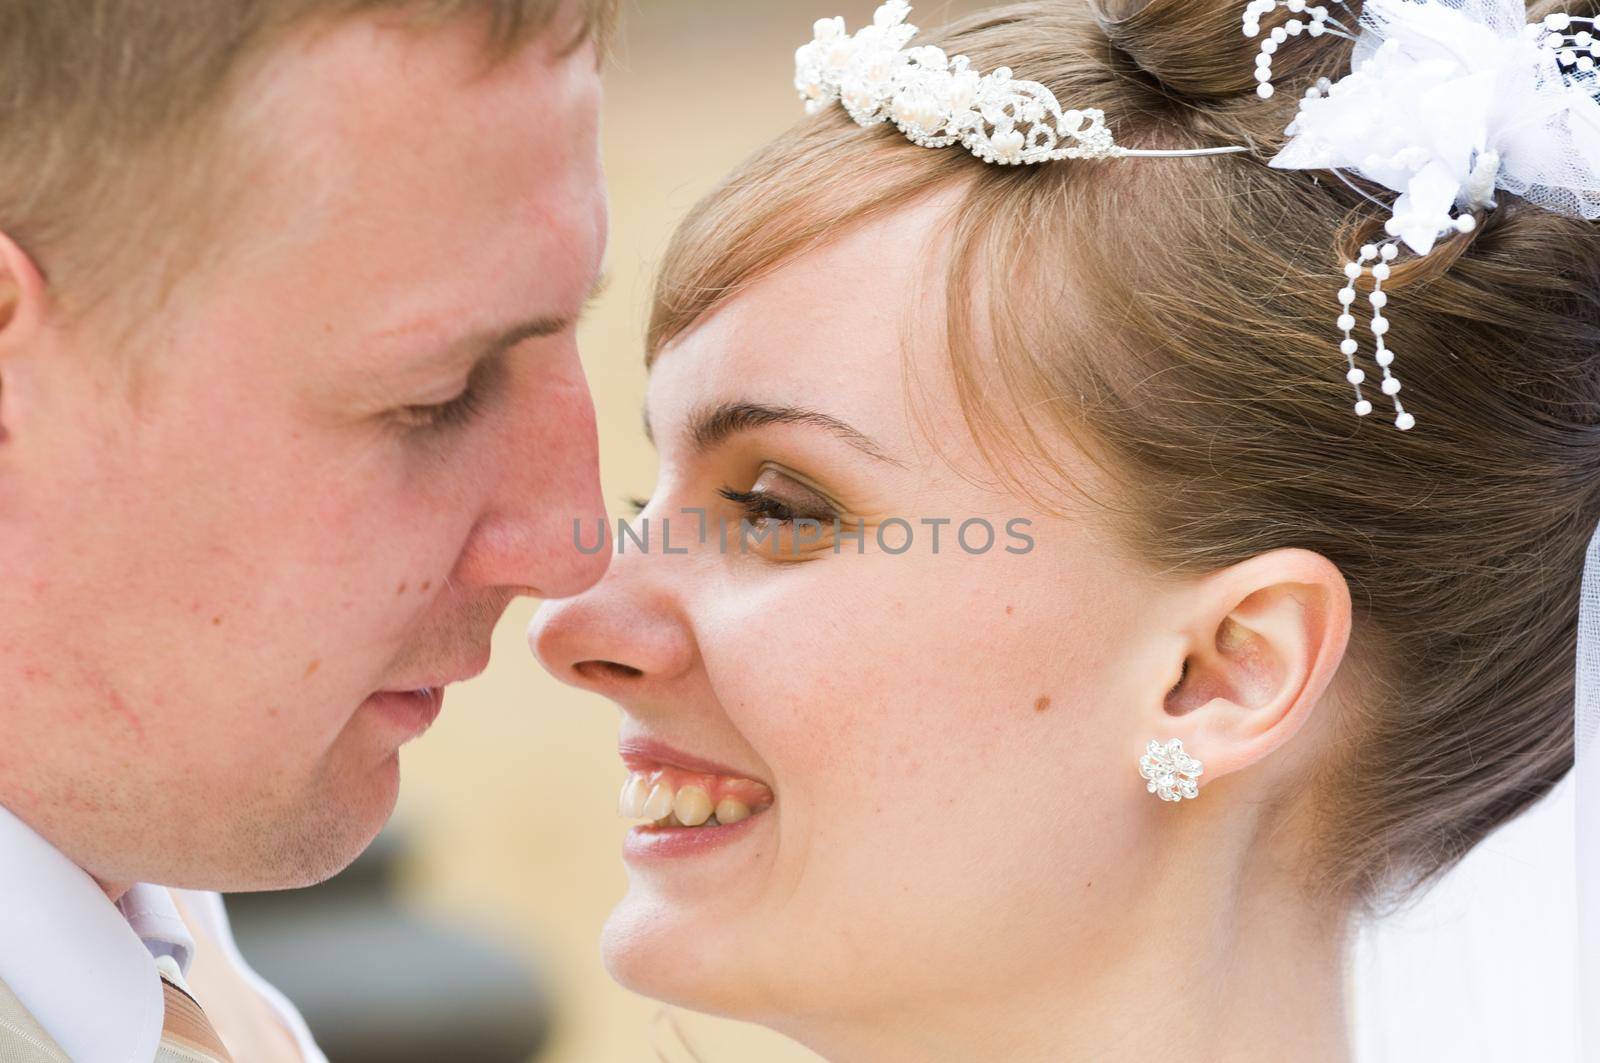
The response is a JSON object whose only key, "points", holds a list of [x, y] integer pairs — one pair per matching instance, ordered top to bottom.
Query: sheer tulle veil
{"points": [[1501, 958]]}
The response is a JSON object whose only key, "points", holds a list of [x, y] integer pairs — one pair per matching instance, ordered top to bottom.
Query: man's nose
{"points": [[544, 512]]}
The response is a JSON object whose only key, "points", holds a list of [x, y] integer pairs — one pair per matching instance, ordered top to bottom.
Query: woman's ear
{"points": [[22, 312], [1262, 640]]}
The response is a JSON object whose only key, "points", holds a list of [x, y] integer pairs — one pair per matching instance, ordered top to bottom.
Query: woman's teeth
{"points": [[669, 798], [692, 806]]}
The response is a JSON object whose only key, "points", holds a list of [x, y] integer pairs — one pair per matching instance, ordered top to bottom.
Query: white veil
{"points": [[1500, 960]]}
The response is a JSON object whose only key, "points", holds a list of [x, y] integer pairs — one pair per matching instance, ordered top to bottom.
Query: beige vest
{"points": [[23, 1040]]}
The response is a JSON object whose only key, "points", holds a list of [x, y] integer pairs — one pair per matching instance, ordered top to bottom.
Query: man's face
{"points": [[209, 577]]}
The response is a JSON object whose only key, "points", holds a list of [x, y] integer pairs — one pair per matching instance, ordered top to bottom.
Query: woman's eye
{"points": [[795, 501], [761, 505], [779, 526]]}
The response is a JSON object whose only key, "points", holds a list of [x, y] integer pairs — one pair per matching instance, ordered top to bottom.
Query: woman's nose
{"points": [[620, 636]]}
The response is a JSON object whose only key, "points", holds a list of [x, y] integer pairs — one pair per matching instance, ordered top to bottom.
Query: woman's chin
{"points": [[676, 954]]}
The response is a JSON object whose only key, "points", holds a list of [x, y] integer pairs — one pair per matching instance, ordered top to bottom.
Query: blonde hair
{"points": [[109, 111], [1174, 319]]}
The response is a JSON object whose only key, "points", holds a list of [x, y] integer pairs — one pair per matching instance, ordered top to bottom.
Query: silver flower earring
{"points": [[1171, 772]]}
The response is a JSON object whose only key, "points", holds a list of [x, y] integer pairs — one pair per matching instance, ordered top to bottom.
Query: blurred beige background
{"points": [[510, 802]]}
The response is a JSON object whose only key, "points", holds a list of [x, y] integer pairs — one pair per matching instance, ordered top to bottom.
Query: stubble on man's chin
{"points": [[314, 841], [281, 844]]}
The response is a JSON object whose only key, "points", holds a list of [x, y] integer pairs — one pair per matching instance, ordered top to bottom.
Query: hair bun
{"points": [[1198, 48]]}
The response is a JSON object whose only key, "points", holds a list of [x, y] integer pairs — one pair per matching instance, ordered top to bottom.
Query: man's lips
{"points": [[442, 677], [414, 707], [410, 711]]}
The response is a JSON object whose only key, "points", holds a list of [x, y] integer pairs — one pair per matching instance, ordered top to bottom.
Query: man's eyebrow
{"points": [[543, 326], [488, 344], [711, 426]]}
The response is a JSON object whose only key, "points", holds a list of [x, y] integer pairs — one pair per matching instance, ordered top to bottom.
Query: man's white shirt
{"points": [[86, 969]]}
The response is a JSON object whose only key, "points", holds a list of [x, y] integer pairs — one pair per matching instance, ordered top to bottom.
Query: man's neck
{"points": [[114, 890]]}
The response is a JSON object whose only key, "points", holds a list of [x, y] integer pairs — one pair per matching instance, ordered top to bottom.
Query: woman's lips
{"points": [[410, 712], [641, 753], [648, 842]]}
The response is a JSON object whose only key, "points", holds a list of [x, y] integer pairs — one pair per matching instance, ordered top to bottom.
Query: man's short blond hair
{"points": [[102, 100]]}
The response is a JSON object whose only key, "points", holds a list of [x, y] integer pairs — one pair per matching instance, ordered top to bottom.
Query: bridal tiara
{"points": [[938, 100], [1446, 102]]}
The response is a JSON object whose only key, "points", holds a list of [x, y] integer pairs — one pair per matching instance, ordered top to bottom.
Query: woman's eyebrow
{"points": [[715, 424]]}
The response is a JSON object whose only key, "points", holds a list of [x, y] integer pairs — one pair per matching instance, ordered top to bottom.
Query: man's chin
{"points": [[313, 843]]}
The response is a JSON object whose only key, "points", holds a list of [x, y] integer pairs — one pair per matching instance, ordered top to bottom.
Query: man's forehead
{"points": [[353, 112], [482, 213]]}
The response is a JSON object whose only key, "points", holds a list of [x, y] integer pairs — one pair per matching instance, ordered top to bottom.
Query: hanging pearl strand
{"points": [[1316, 22], [1575, 51], [1373, 259], [1380, 328]]}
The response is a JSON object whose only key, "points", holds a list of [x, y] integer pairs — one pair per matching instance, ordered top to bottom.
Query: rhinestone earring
{"points": [[1171, 772]]}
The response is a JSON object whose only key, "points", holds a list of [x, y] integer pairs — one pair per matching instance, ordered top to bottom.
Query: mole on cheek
{"points": [[426, 585], [401, 589], [1008, 609], [312, 667], [1041, 704]]}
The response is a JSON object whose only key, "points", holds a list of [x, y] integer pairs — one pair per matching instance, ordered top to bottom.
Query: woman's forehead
{"points": [[837, 315]]}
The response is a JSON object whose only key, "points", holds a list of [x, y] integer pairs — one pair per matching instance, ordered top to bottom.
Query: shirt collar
{"points": [[154, 917], [75, 960]]}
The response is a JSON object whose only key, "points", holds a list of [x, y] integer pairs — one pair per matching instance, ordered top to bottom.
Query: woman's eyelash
{"points": [[757, 505], [763, 505]]}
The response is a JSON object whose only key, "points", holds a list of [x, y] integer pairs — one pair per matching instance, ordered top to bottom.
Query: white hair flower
{"points": [[1447, 103]]}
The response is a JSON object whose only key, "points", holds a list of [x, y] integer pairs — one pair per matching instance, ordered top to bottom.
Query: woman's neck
{"points": [[1210, 975]]}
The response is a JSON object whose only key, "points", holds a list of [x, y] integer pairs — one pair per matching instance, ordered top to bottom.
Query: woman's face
{"points": [[939, 743]]}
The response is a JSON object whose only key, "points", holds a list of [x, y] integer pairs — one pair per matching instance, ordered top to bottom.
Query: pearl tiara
{"points": [[938, 100]]}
